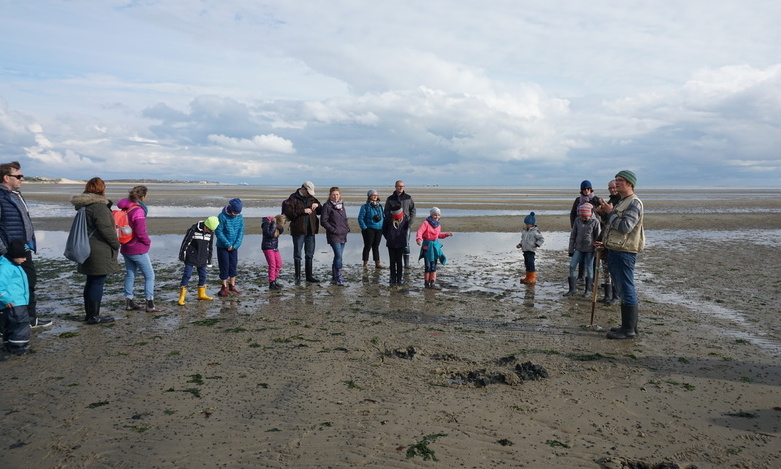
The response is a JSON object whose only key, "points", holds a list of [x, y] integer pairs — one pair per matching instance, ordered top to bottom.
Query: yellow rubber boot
{"points": [[202, 294], [182, 295]]}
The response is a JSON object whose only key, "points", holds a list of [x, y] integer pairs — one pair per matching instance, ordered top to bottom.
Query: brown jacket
{"points": [[300, 222]]}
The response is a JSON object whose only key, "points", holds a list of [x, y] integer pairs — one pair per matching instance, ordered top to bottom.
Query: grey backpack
{"points": [[77, 246]]}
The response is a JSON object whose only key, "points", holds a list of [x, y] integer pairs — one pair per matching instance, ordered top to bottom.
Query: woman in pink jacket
{"points": [[428, 236], [136, 251]]}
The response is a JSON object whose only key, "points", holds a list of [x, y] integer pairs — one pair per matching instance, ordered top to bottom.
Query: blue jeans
{"points": [[307, 242], [338, 250], [528, 261], [134, 263], [229, 263], [588, 263], [622, 269], [188, 272], [93, 288]]}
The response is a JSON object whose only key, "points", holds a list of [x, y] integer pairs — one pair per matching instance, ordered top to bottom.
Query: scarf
{"points": [[585, 199], [143, 205], [432, 222]]}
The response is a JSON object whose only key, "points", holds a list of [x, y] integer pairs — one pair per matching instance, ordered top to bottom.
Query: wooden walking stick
{"points": [[595, 285]]}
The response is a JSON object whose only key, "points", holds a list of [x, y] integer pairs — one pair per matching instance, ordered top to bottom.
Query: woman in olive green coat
{"points": [[104, 247]]}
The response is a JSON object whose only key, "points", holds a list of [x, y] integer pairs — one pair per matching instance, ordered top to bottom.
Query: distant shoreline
{"points": [[46, 180]]}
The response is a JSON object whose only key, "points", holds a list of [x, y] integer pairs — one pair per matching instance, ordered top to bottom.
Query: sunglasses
{"points": [[17, 176]]}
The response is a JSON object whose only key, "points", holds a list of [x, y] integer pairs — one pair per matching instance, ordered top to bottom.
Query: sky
{"points": [[351, 92]]}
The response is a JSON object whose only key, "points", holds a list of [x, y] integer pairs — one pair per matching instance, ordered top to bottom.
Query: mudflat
{"points": [[504, 375]]}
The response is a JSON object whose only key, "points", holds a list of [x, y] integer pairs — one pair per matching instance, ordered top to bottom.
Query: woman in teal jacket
{"points": [[370, 219], [229, 234]]}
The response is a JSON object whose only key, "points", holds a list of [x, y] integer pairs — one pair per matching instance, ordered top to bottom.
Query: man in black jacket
{"points": [[400, 199], [302, 209]]}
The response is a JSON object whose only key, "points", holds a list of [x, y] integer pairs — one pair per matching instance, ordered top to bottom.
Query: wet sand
{"points": [[368, 376]]}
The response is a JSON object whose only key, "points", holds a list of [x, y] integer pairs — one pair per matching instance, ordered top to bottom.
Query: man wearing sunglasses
{"points": [[15, 223]]}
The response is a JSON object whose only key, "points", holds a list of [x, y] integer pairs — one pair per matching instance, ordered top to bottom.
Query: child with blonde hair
{"points": [[273, 227]]}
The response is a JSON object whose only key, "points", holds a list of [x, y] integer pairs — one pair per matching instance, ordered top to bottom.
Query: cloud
{"points": [[514, 93], [262, 143]]}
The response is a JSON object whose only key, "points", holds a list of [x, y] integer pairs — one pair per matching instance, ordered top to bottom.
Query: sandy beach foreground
{"points": [[502, 375]]}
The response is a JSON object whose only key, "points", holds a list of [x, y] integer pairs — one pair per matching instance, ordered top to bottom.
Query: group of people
{"points": [[392, 222], [614, 225]]}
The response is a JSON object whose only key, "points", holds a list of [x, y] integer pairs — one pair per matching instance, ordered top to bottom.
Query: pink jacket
{"points": [[137, 220], [426, 232]]}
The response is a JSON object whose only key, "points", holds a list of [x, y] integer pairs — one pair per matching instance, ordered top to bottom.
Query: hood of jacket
{"points": [[88, 198]]}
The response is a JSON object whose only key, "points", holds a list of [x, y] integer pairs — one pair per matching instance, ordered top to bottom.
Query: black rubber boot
{"points": [[406, 261], [298, 272], [309, 276], [589, 284], [573, 286], [608, 288], [615, 298], [130, 305], [93, 313], [628, 329]]}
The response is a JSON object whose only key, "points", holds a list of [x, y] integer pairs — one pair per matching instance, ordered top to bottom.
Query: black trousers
{"points": [[371, 242], [32, 280]]}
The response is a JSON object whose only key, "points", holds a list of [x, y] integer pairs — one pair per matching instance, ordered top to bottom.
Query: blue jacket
{"points": [[366, 216], [15, 220], [230, 232], [432, 251], [13, 284]]}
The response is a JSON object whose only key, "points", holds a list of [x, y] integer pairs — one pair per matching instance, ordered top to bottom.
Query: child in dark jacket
{"points": [[272, 227], [394, 229], [196, 252]]}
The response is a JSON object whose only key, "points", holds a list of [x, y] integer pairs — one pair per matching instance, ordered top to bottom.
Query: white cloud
{"points": [[239, 88], [263, 143]]}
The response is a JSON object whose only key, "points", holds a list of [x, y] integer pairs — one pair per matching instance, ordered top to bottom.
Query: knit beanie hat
{"points": [[628, 176], [585, 185], [371, 192], [235, 206], [585, 209], [434, 211], [397, 214], [530, 220], [212, 223], [17, 249]]}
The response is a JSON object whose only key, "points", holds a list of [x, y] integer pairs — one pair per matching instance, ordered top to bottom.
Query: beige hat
{"points": [[309, 186]]}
